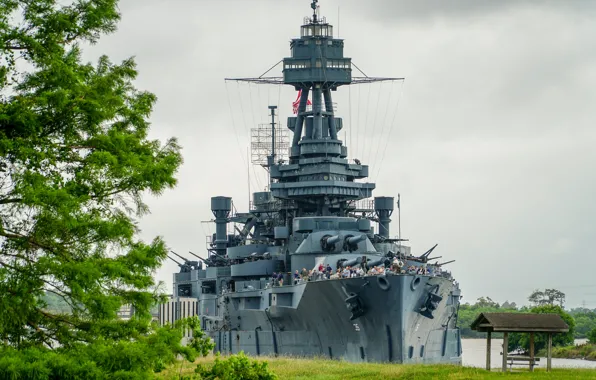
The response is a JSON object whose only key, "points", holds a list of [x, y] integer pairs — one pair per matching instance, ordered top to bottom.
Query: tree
{"points": [[75, 160], [547, 297], [486, 302], [468, 313], [585, 321], [592, 336], [522, 341]]}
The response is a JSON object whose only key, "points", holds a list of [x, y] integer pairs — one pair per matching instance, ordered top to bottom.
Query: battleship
{"points": [[311, 269]]}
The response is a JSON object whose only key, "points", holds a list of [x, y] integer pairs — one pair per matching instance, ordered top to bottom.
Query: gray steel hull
{"points": [[315, 321]]}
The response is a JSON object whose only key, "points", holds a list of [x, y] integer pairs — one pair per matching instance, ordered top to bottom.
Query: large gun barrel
{"points": [[332, 239], [356, 239], [197, 256], [170, 257], [446, 262], [350, 263], [374, 263]]}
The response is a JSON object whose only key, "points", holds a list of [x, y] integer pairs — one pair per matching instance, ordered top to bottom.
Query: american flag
{"points": [[296, 102]]}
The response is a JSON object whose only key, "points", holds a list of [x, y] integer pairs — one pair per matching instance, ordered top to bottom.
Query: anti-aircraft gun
{"points": [[215, 260], [188, 264], [184, 268]]}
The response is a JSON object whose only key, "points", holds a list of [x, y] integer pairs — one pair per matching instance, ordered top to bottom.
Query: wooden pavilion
{"points": [[520, 323]]}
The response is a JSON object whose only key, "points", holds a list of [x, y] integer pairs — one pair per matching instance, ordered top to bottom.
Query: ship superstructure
{"points": [[306, 273]]}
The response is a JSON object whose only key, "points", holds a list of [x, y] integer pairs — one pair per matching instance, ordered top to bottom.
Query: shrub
{"points": [[236, 367]]}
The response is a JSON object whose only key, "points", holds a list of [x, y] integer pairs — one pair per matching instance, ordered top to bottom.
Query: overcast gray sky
{"points": [[492, 146]]}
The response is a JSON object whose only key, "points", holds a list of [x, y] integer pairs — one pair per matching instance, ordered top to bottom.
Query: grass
{"points": [[322, 369]]}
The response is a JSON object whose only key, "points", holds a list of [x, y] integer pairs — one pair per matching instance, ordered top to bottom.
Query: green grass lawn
{"points": [[321, 369]]}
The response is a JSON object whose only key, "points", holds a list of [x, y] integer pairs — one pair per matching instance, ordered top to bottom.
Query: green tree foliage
{"points": [[75, 160], [547, 297], [487, 302], [469, 312], [585, 321], [592, 336], [522, 341], [136, 358], [236, 367]]}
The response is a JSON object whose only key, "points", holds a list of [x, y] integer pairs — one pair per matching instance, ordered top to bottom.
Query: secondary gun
{"points": [[197, 256], [424, 256], [170, 257], [183, 258], [383, 260], [349, 263], [192, 264], [183, 267]]}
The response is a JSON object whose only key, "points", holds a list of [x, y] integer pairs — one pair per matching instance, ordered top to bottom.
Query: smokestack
{"points": [[221, 207], [384, 209]]}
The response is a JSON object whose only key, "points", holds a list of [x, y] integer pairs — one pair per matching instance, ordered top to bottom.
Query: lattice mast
{"points": [[269, 143]]}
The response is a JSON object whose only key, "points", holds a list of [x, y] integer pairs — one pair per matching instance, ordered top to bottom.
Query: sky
{"points": [[489, 140]]}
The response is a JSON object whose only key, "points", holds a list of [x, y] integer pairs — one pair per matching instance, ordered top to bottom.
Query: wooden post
{"points": [[505, 345], [488, 351], [531, 352], [549, 353]]}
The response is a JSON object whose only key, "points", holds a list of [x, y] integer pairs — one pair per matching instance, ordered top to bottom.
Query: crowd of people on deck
{"points": [[324, 271]]}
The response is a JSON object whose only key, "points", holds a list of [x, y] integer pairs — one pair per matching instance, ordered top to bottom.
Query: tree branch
{"points": [[10, 200], [14, 235]]}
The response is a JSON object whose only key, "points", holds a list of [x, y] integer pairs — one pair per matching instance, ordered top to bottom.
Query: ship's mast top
{"points": [[314, 7], [318, 178]]}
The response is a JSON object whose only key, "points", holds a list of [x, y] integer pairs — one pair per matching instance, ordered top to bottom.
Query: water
{"points": [[475, 355]]}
